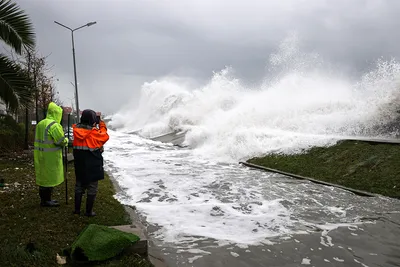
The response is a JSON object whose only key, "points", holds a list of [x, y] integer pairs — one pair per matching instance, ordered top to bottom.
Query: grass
{"points": [[359, 165], [31, 235]]}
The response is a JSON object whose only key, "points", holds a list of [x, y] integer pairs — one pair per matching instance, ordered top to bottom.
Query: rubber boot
{"points": [[42, 195], [45, 197], [78, 201], [55, 202], [50, 203], [89, 205]]}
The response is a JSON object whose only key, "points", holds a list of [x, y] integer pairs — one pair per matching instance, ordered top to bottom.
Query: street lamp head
{"points": [[91, 23]]}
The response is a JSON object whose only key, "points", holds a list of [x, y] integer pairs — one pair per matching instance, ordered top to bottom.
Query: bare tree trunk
{"points": [[36, 96], [44, 101], [26, 141]]}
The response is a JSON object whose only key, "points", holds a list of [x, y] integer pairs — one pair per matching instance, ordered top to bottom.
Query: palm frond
{"points": [[16, 29], [14, 85]]}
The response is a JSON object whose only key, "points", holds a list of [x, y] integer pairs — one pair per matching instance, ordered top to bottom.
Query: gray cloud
{"points": [[141, 40]]}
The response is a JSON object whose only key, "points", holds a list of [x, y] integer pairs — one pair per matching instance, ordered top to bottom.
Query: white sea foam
{"points": [[302, 105]]}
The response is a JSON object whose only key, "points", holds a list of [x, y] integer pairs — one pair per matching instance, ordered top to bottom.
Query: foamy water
{"points": [[302, 105], [200, 193], [191, 200]]}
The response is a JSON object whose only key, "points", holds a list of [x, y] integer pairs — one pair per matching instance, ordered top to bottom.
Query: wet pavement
{"points": [[370, 244]]}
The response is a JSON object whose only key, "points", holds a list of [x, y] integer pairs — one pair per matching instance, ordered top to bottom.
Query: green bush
{"points": [[6, 121], [21, 128], [11, 134]]}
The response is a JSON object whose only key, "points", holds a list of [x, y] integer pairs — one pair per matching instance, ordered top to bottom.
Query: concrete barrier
{"points": [[176, 138]]}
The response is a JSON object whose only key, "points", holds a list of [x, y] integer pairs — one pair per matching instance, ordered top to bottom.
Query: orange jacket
{"points": [[89, 138]]}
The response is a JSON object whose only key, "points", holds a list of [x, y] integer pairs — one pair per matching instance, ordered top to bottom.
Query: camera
{"points": [[98, 117]]}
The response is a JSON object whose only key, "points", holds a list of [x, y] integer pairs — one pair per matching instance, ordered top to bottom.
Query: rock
{"points": [[61, 260]]}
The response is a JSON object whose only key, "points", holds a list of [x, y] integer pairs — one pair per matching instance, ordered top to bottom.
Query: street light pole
{"points": [[73, 56], [76, 79], [72, 103]]}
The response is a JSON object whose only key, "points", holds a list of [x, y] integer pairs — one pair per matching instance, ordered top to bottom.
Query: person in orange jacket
{"points": [[88, 160]]}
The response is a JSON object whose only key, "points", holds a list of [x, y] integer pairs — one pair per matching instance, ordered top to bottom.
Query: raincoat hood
{"points": [[54, 112], [88, 117]]}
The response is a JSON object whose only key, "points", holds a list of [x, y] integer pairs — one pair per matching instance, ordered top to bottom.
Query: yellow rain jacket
{"points": [[49, 143]]}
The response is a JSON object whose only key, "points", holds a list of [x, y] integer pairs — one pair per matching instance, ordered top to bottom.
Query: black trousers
{"points": [[91, 188]]}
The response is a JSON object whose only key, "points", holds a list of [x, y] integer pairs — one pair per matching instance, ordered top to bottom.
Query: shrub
{"points": [[11, 134]]}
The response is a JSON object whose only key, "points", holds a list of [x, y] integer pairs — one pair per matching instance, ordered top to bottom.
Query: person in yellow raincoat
{"points": [[48, 149]]}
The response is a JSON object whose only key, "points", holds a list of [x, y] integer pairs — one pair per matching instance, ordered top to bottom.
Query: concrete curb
{"points": [[373, 140], [355, 191], [140, 247]]}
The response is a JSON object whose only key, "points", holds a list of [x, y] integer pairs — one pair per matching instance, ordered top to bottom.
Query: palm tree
{"points": [[16, 31]]}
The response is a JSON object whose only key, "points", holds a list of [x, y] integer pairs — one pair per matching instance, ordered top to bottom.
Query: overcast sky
{"points": [[135, 41]]}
